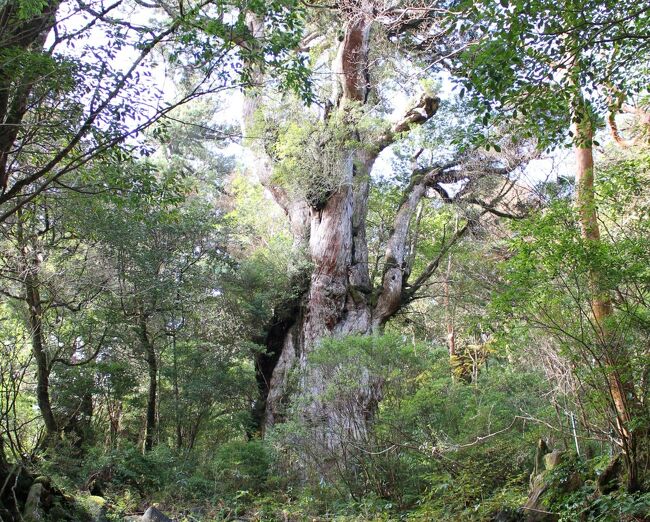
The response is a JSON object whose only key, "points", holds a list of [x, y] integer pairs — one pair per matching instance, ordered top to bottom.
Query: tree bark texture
{"points": [[338, 299]]}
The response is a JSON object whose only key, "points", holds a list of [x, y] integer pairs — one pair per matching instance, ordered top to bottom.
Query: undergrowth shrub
{"points": [[434, 443], [241, 466]]}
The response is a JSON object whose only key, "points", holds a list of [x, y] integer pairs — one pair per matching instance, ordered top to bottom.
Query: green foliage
{"points": [[30, 8], [531, 59], [313, 156], [312, 159], [153, 270], [269, 270], [547, 279], [448, 447], [241, 466], [571, 493], [606, 508]]}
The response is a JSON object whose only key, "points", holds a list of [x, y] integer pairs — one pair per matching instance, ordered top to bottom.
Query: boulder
{"points": [[42, 479], [95, 507], [33, 511], [154, 515]]}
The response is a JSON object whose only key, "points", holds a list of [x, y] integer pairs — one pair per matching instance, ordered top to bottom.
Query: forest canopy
{"points": [[358, 260]]}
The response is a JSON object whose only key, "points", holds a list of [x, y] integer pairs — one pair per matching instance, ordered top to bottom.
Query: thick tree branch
{"points": [[419, 114], [394, 292], [389, 299]]}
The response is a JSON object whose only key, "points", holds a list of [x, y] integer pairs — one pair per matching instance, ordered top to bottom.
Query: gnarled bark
{"points": [[339, 299]]}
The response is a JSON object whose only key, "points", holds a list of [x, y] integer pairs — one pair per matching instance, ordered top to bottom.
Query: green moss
{"points": [[313, 157], [94, 507]]}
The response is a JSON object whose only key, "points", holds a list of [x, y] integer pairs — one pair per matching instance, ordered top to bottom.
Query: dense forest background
{"points": [[355, 260]]}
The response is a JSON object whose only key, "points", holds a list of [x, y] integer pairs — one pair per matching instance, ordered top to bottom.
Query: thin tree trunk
{"points": [[35, 314], [449, 314], [40, 356], [152, 364], [621, 388], [177, 411], [194, 430]]}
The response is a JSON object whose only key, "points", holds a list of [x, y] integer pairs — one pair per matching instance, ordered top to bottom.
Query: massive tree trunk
{"points": [[338, 299], [613, 357]]}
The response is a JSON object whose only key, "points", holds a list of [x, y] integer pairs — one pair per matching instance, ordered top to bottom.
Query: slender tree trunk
{"points": [[31, 285], [449, 314], [40, 356], [614, 357], [152, 364], [177, 411], [115, 421], [194, 429]]}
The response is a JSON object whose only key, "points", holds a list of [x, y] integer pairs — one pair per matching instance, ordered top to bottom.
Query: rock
{"points": [[553, 459], [43, 480], [95, 507], [33, 511], [154, 515]]}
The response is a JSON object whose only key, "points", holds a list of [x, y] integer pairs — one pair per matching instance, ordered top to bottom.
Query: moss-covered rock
{"points": [[42, 479], [94, 507], [33, 511], [153, 514]]}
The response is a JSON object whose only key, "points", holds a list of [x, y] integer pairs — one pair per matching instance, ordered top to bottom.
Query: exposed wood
{"points": [[390, 296]]}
